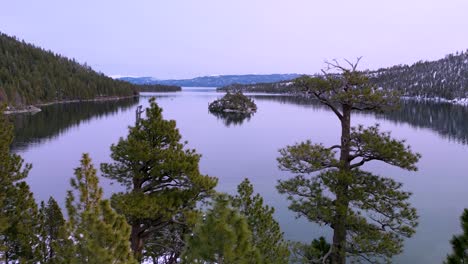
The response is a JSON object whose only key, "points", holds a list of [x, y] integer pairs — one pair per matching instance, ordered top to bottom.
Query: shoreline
{"points": [[456, 101], [35, 108]]}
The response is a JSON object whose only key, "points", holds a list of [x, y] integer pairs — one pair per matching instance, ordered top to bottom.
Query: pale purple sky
{"points": [[188, 38]]}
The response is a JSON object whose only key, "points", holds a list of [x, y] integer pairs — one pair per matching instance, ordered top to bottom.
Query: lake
{"points": [[54, 139]]}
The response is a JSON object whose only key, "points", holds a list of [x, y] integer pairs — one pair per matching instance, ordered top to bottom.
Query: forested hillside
{"points": [[32, 75], [446, 78], [278, 87], [158, 88]]}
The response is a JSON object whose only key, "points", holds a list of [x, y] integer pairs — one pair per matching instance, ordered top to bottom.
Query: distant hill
{"points": [[32, 75], [446, 78], [215, 81], [158, 88]]}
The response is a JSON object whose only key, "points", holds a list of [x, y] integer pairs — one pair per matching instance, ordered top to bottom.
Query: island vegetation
{"points": [[233, 103]]}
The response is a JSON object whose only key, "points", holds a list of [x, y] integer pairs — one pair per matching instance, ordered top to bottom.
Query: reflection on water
{"points": [[232, 118], [53, 120], [448, 120]]}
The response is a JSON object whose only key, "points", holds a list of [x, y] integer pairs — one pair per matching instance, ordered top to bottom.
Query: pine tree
{"points": [[11, 167], [162, 178], [18, 209], [369, 214], [266, 232], [99, 233], [53, 235], [222, 236], [19, 239], [460, 243]]}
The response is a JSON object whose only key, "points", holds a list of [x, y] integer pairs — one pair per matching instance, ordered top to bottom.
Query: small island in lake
{"points": [[233, 103]]}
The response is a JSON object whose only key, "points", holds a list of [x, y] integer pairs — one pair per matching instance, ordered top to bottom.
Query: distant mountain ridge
{"points": [[445, 79], [215, 81]]}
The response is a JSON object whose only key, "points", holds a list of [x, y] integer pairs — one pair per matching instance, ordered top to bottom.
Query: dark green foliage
{"points": [[31, 75], [157, 88], [233, 103], [11, 166], [162, 177], [18, 210], [369, 214], [266, 232], [53, 235], [100, 235], [222, 236], [19, 240], [460, 243], [315, 252]]}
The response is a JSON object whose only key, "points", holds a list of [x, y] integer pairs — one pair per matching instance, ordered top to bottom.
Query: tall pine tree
{"points": [[11, 166], [162, 178], [18, 209], [369, 214], [99, 233], [20, 238], [54, 243]]}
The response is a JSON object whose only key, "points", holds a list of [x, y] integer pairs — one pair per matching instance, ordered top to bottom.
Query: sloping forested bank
{"points": [[31, 75], [446, 78]]}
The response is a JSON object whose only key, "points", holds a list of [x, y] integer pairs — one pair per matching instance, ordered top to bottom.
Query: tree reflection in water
{"points": [[231, 118]]}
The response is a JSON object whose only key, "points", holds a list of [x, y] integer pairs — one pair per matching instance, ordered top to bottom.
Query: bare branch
{"points": [[328, 103], [334, 147], [362, 162]]}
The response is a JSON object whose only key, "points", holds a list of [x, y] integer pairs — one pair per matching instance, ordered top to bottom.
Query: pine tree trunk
{"points": [[136, 236], [137, 242], [338, 255]]}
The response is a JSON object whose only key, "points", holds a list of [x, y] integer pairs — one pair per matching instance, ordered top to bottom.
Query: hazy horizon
{"points": [[186, 39]]}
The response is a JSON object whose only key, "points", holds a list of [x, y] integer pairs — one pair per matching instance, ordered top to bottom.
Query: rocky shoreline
{"points": [[32, 109]]}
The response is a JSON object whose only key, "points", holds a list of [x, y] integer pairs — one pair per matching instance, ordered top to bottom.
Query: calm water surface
{"points": [[54, 139]]}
